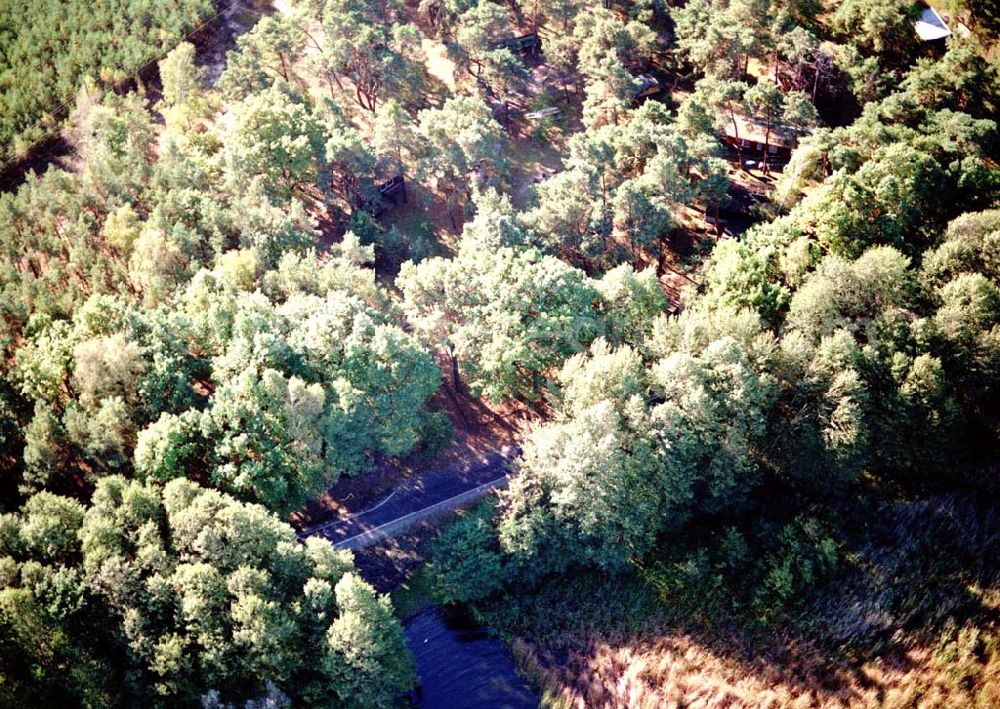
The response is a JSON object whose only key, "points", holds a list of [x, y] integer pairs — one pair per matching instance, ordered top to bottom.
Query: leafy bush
{"points": [[435, 434], [467, 562], [759, 576]]}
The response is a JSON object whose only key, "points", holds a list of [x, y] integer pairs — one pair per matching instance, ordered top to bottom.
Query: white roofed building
{"points": [[930, 26]]}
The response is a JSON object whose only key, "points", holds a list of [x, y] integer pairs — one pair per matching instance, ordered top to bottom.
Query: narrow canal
{"points": [[461, 665]]}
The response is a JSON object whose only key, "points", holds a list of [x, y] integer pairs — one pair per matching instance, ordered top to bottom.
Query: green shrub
{"points": [[466, 558]]}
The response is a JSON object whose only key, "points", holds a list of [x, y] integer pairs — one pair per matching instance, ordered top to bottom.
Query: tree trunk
{"points": [[336, 77], [329, 81], [366, 96], [736, 135], [767, 146], [604, 211], [451, 217], [683, 275], [456, 378], [455, 391]]}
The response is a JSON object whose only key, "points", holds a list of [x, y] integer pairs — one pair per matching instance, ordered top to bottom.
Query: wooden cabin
{"points": [[750, 136]]}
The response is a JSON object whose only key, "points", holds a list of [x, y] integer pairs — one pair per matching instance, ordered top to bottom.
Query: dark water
{"points": [[461, 665]]}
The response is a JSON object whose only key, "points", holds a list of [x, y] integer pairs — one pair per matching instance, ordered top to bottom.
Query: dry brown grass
{"points": [[680, 670]]}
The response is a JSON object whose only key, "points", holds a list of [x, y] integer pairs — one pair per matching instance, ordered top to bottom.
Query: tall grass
{"points": [[912, 619], [680, 670]]}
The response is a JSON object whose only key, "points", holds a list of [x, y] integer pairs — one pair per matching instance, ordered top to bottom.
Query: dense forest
{"points": [[47, 47], [732, 266]]}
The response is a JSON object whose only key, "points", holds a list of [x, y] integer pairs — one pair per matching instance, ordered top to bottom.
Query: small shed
{"points": [[528, 44], [649, 85], [550, 112], [393, 189], [390, 192]]}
